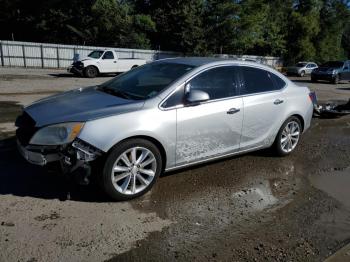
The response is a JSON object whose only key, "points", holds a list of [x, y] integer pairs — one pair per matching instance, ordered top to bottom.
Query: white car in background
{"points": [[103, 62], [302, 69]]}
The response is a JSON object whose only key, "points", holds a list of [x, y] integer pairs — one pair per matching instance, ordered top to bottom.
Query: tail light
{"points": [[313, 97]]}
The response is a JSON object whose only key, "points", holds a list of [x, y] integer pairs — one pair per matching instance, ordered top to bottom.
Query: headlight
{"points": [[57, 134]]}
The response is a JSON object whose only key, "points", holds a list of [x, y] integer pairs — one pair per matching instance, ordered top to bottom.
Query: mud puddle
{"points": [[334, 183]]}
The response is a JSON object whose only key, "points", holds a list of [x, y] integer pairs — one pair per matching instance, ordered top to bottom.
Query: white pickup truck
{"points": [[102, 62]]}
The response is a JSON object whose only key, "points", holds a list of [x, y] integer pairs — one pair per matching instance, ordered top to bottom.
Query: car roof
{"points": [[201, 61]]}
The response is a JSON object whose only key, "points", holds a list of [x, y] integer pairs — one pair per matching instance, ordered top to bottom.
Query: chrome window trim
{"points": [[160, 105]]}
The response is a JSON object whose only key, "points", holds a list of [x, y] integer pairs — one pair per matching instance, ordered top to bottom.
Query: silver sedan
{"points": [[162, 116]]}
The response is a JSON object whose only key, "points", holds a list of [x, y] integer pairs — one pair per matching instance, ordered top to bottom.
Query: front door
{"points": [[108, 62], [212, 128]]}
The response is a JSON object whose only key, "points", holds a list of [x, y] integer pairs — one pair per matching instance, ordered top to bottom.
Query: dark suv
{"points": [[333, 71]]}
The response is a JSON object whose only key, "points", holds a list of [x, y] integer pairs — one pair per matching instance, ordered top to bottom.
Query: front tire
{"points": [[90, 72], [302, 74], [288, 136], [131, 169]]}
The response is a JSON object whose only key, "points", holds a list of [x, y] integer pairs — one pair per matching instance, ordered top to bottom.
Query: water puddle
{"points": [[335, 183], [257, 197]]}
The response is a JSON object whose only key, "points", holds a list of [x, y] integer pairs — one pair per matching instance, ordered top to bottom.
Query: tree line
{"points": [[317, 30]]}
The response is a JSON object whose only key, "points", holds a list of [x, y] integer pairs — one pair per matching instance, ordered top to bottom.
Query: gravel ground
{"points": [[254, 207]]}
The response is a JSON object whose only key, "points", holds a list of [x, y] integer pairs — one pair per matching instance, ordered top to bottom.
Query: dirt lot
{"points": [[254, 207]]}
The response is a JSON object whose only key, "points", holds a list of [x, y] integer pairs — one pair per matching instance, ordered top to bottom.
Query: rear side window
{"points": [[108, 55], [259, 81], [279, 83]]}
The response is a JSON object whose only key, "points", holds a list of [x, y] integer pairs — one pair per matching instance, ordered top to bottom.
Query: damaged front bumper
{"points": [[72, 157], [37, 158]]}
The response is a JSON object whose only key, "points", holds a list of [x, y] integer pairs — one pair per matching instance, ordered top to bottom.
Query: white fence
{"points": [[27, 54]]}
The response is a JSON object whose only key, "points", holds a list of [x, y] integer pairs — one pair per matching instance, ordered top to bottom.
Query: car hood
{"points": [[87, 59], [79, 105]]}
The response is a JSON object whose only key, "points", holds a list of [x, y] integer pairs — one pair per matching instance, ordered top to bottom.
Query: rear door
{"points": [[264, 106], [211, 128]]}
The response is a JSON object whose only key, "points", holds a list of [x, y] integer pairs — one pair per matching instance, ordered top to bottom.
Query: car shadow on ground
{"points": [[344, 88], [20, 178]]}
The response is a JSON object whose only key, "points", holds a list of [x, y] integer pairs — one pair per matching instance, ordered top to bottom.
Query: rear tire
{"points": [[90, 72], [288, 137], [131, 169]]}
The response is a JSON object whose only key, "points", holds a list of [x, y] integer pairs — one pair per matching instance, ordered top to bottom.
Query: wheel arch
{"points": [[301, 119]]}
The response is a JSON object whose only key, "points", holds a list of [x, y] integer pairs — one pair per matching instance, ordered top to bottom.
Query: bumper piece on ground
{"points": [[332, 110]]}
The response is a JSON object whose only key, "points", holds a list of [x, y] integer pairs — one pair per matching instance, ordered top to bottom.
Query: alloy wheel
{"points": [[290, 136], [134, 170]]}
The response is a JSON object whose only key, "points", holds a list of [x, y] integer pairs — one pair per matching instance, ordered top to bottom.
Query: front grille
{"points": [[26, 128]]}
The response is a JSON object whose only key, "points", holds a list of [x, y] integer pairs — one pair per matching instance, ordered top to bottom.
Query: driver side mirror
{"points": [[194, 97]]}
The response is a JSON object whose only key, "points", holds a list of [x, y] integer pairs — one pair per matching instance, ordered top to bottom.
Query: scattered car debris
{"points": [[330, 110]]}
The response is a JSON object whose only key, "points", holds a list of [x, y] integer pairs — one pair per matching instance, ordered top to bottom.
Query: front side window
{"points": [[108, 55], [258, 80], [145, 81], [218, 82]]}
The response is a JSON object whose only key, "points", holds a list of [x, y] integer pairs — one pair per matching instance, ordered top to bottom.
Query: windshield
{"points": [[96, 54], [301, 64], [335, 64], [145, 81]]}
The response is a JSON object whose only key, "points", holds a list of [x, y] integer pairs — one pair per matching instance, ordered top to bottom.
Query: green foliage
{"points": [[316, 30]]}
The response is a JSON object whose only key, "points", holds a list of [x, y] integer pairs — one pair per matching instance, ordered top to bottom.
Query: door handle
{"points": [[114, 61], [278, 101], [233, 111]]}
